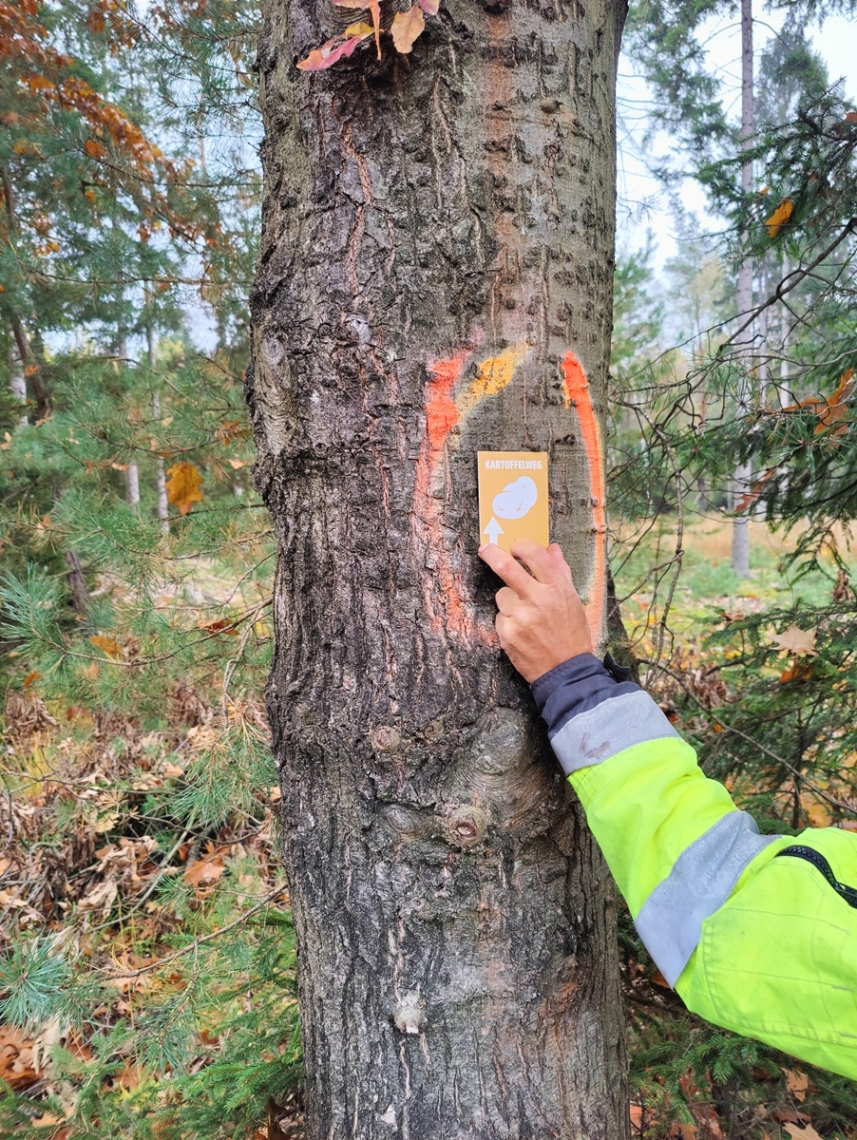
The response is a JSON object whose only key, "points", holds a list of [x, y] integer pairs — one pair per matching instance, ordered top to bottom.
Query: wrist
{"points": [[580, 667], [577, 685]]}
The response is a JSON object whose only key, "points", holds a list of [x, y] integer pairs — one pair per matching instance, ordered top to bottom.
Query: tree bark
{"points": [[435, 276], [743, 473], [163, 506], [80, 598]]}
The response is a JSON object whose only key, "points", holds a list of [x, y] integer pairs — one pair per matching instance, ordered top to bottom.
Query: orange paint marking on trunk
{"points": [[492, 376], [577, 394], [441, 409], [442, 588], [446, 605]]}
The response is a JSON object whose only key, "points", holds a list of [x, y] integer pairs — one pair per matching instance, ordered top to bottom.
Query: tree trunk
{"points": [[435, 275], [18, 388], [160, 468], [743, 473], [132, 484], [80, 598]]}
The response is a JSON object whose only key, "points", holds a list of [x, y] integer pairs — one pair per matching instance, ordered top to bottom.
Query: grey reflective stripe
{"points": [[614, 725], [702, 878]]}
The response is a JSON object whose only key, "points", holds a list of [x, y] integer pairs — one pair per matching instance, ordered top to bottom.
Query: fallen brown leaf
{"points": [[795, 640], [797, 1083], [798, 1133]]}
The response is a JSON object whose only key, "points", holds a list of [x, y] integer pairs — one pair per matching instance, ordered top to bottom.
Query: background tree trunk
{"points": [[436, 266], [743, 478], [163, 506]]}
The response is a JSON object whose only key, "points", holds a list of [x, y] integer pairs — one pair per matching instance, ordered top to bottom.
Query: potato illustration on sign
{"points": [[513, 497], [516, 499]]}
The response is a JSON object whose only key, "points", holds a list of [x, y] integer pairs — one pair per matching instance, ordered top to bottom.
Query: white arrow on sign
{"points": [[493, 530]]}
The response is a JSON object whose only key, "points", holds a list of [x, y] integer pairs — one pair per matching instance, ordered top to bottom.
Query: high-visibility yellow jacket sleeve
{"points": [[757, 933]]}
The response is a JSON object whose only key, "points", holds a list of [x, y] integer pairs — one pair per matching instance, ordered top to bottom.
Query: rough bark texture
{"points": [[438, 242]]}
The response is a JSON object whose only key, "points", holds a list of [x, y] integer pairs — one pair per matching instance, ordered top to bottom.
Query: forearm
{"points": [[673, 839], [754, 932], [758, 934]]}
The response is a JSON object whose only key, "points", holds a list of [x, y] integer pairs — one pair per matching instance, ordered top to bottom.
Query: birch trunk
{"points": [[435, 278], [743, 473], [163, 506]]}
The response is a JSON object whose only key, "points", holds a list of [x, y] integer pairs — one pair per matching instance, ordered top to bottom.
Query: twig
{"points": [[799, 274], [140, 662], [232, 665], [850, 808], [197, 942]]}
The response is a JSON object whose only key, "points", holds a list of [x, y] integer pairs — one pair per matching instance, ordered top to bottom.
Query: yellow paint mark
{"points": [[492, 376]]}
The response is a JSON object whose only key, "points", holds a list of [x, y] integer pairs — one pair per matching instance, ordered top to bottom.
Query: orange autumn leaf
{"points": [[374, 7], [406, 27], [319, 59], [94, 149], [780, 217], [835, 406], [832, 408], [237, 429], [184, 486], [749, 497], [222, 625], [106, 645], [795, 673], [31, 678], [819, 815], [204, 871], [17, 1063], [129, 1077]]}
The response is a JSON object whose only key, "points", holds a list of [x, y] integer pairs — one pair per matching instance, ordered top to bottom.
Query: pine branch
{"points": [[197, 942]]}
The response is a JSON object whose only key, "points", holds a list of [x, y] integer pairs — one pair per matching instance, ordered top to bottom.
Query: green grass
{"points": [[706, 581]]}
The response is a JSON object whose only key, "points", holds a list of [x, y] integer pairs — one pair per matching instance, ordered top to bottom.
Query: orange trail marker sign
{"points": [[513, 497]]}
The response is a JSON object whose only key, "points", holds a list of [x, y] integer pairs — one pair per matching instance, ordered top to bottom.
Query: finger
{"points": [[555, 551], [542, 566], [505, 567], [506, 600], [500, 624]]}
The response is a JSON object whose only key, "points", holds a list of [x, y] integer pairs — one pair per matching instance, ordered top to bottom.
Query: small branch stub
{"points": [[385, 738], [466, 826], [409, 1015]]}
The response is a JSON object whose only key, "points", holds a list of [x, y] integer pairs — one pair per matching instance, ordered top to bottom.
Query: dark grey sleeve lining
{"points": [[576, 686]]}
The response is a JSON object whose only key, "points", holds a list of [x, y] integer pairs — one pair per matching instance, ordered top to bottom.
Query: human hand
{"points": [[541, 622]]}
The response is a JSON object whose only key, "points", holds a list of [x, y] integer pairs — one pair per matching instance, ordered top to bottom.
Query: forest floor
{"points": [[116, 858]]}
